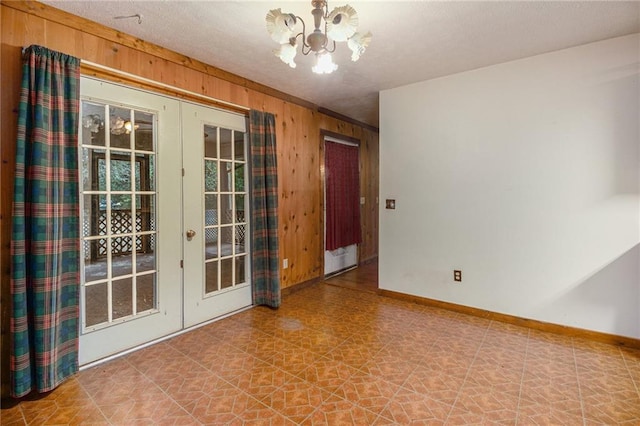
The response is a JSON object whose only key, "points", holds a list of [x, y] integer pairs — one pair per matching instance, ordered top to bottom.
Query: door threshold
{"points": [[341, 271]]}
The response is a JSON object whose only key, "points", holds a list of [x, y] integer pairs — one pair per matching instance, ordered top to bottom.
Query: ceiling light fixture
{"points": [[340, 25]]}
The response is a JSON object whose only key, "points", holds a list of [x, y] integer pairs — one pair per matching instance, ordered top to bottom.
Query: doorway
{"points": [[342, 205], [163, 219]]}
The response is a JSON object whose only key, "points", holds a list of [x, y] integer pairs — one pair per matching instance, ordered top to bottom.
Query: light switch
{"points": [[362, 201], [391, 204]]}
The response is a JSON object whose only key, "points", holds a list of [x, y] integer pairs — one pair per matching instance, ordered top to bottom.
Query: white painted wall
{"points": [[525, 175]]}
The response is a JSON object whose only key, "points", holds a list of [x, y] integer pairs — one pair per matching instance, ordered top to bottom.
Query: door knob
{"points": [[190, 234]]}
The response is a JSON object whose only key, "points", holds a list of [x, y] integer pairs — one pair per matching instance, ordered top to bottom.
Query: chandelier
{"points": [[340, 25]]}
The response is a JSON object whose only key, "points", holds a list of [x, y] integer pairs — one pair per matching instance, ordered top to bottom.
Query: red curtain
{"points": [[343, 195]]}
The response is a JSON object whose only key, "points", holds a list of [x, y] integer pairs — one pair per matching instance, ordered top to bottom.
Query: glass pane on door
{"points": [[224, 201], [118, 214]]}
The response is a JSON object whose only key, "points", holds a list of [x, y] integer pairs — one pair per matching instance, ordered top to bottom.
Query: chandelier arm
{"points": [[304, 36], [332, 50], [307, 51]]}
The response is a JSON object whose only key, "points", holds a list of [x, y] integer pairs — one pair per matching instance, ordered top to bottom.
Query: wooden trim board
{"points": [[115, 76], [297, 287], [564, 330]]}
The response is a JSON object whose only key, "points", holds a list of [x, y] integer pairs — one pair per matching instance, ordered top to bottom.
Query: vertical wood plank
{"points": [[369, 189], [300, 208]]}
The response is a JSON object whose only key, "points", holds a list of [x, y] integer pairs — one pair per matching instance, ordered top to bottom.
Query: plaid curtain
{"points": [[264, 196], [45, 234]]}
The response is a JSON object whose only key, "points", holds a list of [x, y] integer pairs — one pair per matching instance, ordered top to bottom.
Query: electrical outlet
{"points": [[285, 263], [457, 275]]}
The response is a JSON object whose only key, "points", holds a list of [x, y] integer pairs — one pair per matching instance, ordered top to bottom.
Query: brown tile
{"points": [[259, 318], [312, 319], [341, 328], [234, 332], [422, 337], [311, 340], [199, 344], [452, 345], [263, 346], [551, 346], [409, 352], [353, 354], [506, 357], [294, 359], [443, 359], [225, 360], [163, 364], [237, 365], [388, 367], [328, 374], [495, 378], [111, 379], [261, 381], [437, 384], [191, 390], [367, 391], [125, 395], [298, 399], [610, 399], [143, 403], [493, 403], [68, 404], [222, 405], [408, 407], [537, 409], [340, 412], [618, 412], [11, 413], [261, 415], [544, 416], [464, 417]]}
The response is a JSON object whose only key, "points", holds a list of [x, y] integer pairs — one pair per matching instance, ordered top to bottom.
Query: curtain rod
{"points": [[163, 85]]}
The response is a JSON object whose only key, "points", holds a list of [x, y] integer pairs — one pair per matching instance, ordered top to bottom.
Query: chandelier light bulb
{"points": [[358, 44], [287, 53], [324, 64]]}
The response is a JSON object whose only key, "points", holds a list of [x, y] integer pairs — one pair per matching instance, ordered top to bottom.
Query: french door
{"points": [[216, 213], [142, 276]]}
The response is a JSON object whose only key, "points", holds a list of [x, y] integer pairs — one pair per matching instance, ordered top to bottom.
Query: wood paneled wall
{"points": [[298, 128]]}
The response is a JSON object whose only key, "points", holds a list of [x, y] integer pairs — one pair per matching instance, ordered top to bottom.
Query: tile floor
{"points": [[337, 356]]}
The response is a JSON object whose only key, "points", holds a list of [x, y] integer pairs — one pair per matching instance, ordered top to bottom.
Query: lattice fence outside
{"points": [[211, 217], [121, 223]]}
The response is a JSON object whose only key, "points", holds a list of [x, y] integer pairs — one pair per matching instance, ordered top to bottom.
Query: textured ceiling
{"points": [[412, 41]]}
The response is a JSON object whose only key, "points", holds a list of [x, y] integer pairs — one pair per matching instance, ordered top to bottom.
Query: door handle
{"points": [[190, 234]]}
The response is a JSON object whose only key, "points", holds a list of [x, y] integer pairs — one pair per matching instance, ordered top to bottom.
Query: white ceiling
{"points": [[412, 40]]}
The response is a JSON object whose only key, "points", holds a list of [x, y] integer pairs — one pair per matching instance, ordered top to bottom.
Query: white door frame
{"points": [[343, 258]]}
